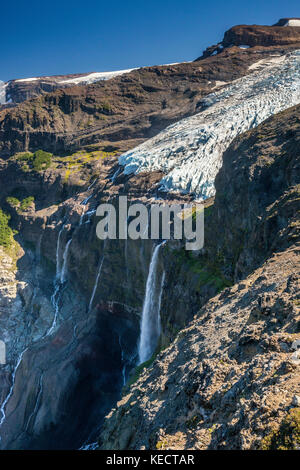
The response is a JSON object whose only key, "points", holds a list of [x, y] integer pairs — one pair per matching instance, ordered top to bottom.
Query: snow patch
{"points": [[292, 22], [275, 59], [95, 77], [33, 79], [219, 83], [3, 86], [190, 151]]}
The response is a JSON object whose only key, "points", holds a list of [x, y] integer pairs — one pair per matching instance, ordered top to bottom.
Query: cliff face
{"points": [[261, 36], [258, 37], [135, 105], [71, 305], [71, 309], [230, 379]]}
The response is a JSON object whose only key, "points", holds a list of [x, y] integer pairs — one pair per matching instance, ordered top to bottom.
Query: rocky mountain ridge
{"points": [[71, 305], [231, 379]]}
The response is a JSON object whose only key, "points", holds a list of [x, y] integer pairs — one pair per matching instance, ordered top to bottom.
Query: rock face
{"points": [[285, 33], [261, 36], [16, 91], [134, 105], [71, 305], [229, 379]]}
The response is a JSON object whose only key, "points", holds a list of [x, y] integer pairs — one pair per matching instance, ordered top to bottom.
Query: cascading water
{"points": [[84, 203], [58, 260], [63, 276], [60, 279], [96, 284], [150, 323], [37, 401], [3, 406]]}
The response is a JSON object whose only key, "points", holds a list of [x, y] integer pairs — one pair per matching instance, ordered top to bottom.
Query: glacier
{"points": [[95, 77], [3, 86], [189, 152]]}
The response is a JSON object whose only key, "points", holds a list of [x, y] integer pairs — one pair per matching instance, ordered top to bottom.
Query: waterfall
{"points": [[116, 173], [92, 184], [84, 203], [38, 248], [58, 262], [64, 270], [96, 284], [159, 302], [150, 323], [123, 361], [37, 401], [2, 409]]}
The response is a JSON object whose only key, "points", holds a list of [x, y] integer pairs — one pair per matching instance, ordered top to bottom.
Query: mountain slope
{"points": [[134, 105], [189, 152], [232, 377]]}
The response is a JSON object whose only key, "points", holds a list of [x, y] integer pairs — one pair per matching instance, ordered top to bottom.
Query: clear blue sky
{"points": [[59, 37]]}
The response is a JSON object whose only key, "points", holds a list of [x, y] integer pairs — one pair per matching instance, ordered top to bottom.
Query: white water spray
{"points": [[84, 203], [58, 260], [63, 276], [96, 284], [150, 324], [2, 409]]}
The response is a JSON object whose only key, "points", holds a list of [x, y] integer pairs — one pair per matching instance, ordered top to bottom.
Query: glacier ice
{"points": [[95, 77], [3, 86], [189, 152]]}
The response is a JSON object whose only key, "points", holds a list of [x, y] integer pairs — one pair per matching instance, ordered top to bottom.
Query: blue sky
{"points": [[60, 37]]}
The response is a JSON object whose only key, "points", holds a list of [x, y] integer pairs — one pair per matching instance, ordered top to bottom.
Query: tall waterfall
{"points": [[58, 260], [63, 275], [96, 284], [150, 323], [2, 409]]}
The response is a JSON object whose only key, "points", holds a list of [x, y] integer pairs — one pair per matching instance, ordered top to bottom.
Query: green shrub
{"points": [[25, 157], [39, 160], [42, 160], [13, 202], [26, 203], [6, 233], [139, 369], [287, 437]]}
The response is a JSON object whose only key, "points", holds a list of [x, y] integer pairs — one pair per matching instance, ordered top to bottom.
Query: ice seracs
{"points": [[190, 151]]}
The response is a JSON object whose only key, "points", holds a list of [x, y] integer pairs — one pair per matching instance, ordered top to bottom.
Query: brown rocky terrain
{"points": [[258, 37], [25, 89], [135, 105], [72, 340], [230, 380]]}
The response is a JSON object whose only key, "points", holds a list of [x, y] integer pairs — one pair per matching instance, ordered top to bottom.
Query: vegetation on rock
{"points": [[38, 161], [6, 233], [287, 437]]}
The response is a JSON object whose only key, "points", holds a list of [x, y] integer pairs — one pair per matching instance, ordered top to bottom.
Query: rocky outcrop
{"points": [[257, 36], [261, 36], [17, 91], [136, 105], [257, 202], [71, 304], [230, 378]]}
